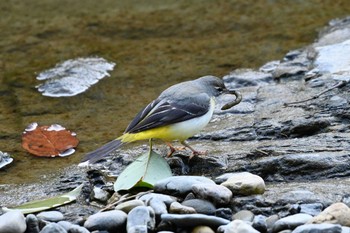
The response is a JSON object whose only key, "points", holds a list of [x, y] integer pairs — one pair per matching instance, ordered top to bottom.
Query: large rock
{"points": [[337, 213], [113, 220], [13, 222]]}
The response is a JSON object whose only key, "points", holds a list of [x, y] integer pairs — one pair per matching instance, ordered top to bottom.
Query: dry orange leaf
{"points": [[49, 141]]}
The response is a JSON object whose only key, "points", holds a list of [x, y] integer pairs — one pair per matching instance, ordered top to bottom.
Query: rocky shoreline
{"points": [[277, 162]]}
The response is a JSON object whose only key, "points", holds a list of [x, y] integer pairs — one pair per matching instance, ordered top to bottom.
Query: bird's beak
{"points": [[234, 102]]}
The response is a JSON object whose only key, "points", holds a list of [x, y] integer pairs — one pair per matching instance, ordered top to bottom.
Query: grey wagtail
{"points": [[179, 112]]}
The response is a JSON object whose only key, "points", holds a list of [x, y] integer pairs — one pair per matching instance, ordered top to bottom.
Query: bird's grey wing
{"points": [[170, 112]]}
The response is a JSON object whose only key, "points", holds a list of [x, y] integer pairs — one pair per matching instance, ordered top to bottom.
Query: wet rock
{"points": [[245, 183], [179, 185], [218, 194], [129, 205], [201, 206], [177, 208], [337, 213], [244, 215], [51, 216], [141, 219], [113, 220], [191, 220], [13, 222], [291, 222], [259, 223], [32, 224], [237, 226], [324, 227], [53, 228], [202, 229]]}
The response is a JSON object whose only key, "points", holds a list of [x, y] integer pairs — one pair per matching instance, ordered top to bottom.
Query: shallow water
{"points": [[154, 44]]}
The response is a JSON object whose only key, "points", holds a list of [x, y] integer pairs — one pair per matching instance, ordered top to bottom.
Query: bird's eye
{"points": [[219, 89]]}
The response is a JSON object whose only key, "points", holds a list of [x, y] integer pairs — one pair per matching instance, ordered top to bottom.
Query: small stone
{"points": [[245, 183], [179, 185], [218, 194], [100, 195], [158, 202], [129, 205], [201, 206], [177, 208], [313, 209], [337, 213], [244, 215], [51, 216], [141, 219], [113, 220], [191, 220], [270, 221], [13, 222], [291, 222], [259, 223], [32, 224], [65, 224], [237, 226], [53, 228], [318, 228], [77, 229], [202, 229]]}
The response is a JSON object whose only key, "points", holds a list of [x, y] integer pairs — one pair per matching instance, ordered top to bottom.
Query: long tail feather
{"points": [[96, 155]]}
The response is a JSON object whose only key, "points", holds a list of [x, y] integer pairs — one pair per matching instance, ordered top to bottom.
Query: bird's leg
{"points": [[172, 149], [194, 152]]}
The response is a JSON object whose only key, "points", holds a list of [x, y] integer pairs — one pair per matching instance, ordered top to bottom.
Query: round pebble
{"points": [[245, 183], [218, 194], [129, 205], [201, 206], [177, 208], [244, 215], [51, 216], [141, 218], [113, 220], [192, 220], [13, 222], [291, 222], [32, 224], [238, 226], [53, 228], [318, 228], [202, 229]]}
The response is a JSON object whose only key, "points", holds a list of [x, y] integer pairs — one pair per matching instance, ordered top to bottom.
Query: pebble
{"points": [[245, 183], [179, 185], [218, 194], [100, 195], [158, 202], [129, 205], [201, 206], [177, 208], [313, 208], [337, 213], [244, 215], [51, 216], [141, 219], [113, 220], [192, 220], [13, 222], [291, 222], [259, 223], [32, 224], [237, 226], [53, 228], [318, 228], [77, 229], [202, 229]]}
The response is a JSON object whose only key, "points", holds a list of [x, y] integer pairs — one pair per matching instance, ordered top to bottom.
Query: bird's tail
{"points": [[96, 155]]}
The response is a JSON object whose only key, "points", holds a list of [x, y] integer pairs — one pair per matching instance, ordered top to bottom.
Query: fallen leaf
{"points": [[49, 141]]}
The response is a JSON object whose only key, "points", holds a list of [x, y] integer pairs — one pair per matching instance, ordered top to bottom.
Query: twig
{"points": [[338, 85]]}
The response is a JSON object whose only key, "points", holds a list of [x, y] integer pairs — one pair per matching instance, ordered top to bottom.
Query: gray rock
{"points": [[245, 183], [179, 185], [217, 194], [100, 195], [158, 202], [129, 205], [201, 206], [177, 208], [313, 208], [225, 213], [244, 215], [51, 216], [140, 219], [113, 220], [191, 220], [13, 222], [291, 222], [259, 223], [32, 224], [65, 224], [237, 226], [53, 228], [319, 228], [77, 229]]}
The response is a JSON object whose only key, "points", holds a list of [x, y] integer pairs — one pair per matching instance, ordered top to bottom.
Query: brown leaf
{"points": [[48, 141]]}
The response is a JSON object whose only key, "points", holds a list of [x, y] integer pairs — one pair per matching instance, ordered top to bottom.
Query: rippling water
{"points": [[155, 44]]}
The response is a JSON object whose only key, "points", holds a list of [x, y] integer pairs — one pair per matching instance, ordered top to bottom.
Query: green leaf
{"points": [[145, 171], [41, 205]]}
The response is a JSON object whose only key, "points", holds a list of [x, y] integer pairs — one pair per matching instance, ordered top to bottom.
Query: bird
{"points": [[180, 111]]}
